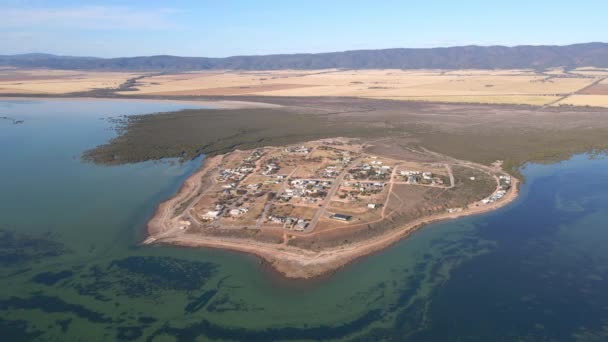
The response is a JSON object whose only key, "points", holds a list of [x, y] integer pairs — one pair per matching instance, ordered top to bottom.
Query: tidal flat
{"points": [[515, 134], [73, 268]]}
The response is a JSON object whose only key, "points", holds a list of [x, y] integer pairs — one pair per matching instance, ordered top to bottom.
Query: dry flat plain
{"points": [[45, 81], [553, 87], [578, 87], [309, 209]]}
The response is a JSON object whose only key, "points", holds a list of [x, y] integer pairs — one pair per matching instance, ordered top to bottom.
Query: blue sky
{"points": [[225, 28]]}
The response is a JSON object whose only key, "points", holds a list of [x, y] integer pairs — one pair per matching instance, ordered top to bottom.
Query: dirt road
{"points": [[332, 191]]}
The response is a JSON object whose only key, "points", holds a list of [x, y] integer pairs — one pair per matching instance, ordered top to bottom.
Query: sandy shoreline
{"points": [[156, 224], [289, 261]]}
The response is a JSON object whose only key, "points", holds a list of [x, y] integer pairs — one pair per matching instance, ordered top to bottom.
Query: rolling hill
{"points": [[461, 57]]}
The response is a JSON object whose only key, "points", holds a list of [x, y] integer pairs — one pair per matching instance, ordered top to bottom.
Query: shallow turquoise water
{"points": [[72, 268]]}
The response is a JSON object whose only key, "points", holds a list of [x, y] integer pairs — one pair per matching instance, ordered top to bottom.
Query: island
{"points": [[309, 209]]}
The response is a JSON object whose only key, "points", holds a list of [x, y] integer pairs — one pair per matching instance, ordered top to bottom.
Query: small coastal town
{"points": [[315, 186], [312, 207]]}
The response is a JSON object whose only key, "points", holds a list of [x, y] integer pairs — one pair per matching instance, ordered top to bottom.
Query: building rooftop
{"points": [[342, 217]]}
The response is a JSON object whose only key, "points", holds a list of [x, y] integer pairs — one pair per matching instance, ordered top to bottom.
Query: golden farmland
{"points": [[43, 81], [475, 86], [579, 87], [586, 100]]}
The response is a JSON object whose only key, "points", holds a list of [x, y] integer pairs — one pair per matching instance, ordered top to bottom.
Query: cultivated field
{"points": [[43, 81], [471, 86], [539, 88], [595, 95], [586, 100]]}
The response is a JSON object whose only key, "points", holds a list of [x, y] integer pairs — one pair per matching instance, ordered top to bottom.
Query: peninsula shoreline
{"points": [[288, 261]]}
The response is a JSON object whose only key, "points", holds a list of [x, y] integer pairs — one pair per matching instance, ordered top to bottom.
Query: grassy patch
{"points": [[189, 133], [516, 147]]}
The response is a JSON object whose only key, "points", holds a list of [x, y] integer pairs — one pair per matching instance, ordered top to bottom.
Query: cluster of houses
{"points": [[298, 149], [345, 155], [345, 159], [246, 167], [270, 168], [373, 170], [332, 171], [329, 172], [236, 174], [420, 177], [232, 178], [275, 179], [505, 182], [310, 184], [505, 185], [366, 187], [309, 189], [353, 189], [494, 197], [220, 209], [236, 212], [213, 214], [291, 223]]}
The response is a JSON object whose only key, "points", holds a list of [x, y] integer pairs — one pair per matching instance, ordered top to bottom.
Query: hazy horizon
{"points": [[209, 29], [301, 52]]}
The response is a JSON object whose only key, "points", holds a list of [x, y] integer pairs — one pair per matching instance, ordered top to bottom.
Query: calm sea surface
{"points": [[72, 270]]}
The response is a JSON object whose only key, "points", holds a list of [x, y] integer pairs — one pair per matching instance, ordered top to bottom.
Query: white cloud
{"points": [[88, 17]]}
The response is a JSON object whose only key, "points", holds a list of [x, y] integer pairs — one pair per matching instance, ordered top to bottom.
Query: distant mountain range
{"points": [[460, 57]]}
